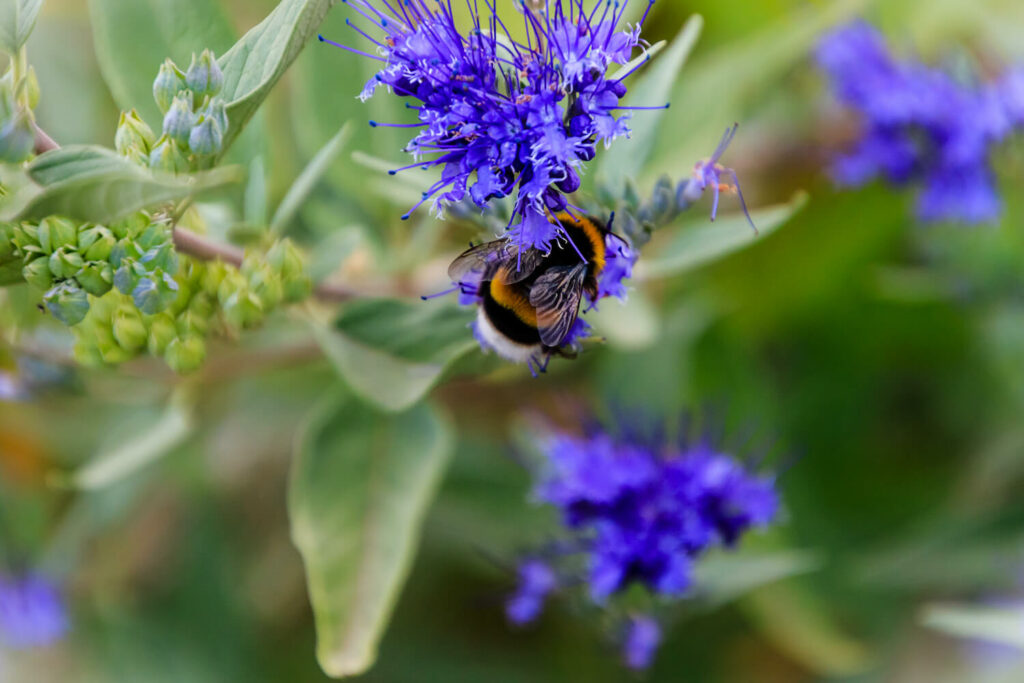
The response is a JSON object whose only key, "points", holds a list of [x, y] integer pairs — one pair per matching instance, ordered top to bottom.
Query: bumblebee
{"points": [[528, 300]]}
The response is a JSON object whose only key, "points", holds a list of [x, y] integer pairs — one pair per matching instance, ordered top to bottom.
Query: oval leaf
{"points": [[255, 63], [93, 184], [704, 242], [391, 352], [156, 440], [360, 485], [1004, 626]]}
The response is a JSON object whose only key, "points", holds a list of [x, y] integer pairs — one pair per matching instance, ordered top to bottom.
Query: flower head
{"points": [[499, 116], [920, 125], [637, 511], [647, 512], [32, 612]]}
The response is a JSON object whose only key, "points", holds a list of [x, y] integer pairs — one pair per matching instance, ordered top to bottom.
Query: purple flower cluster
{"points": [[502, 116], [921, 125], [640, 512], [32, 612]]}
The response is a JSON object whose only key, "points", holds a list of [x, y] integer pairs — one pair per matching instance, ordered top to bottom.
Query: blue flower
{"points": [[501, 117], [920, 126], [637, 510], [644, 512], [536, 581], [32, 612], [643, 636]]}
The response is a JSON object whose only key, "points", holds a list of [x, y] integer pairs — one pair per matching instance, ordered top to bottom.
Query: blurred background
{"points": [[884, 360]]}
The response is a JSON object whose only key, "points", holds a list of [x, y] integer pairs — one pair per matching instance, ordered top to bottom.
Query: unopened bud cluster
{"points": [[194, 123], [66, 260], [208, 298]]}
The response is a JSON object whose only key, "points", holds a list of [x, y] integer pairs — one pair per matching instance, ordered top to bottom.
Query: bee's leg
{"points": [[529, 364]]}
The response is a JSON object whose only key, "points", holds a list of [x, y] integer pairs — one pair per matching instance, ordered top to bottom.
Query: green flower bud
{"points": [[204, 77], [168, 82], [32, 84], [215, 109], [179, 119], [133, 134], [17, 136], [206, 137], [167, 156], [130, 226], [55, 232], [154, 235], [26, 239], [96, 243], [285, 258], [65, 262], [37, 273], [213, 275], [126, 277], [96, 278], [263, 281], [153, 294], [67, 302], [242, 309], [191, 322], [129, 329], [162, 332], [85, 350], [110, 351], [185, 354]]}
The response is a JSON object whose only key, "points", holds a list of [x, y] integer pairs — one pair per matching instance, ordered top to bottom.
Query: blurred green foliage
{"points": [[882, 359]]}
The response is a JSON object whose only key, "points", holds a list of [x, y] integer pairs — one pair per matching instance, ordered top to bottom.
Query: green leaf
{"points": [[17, 19], [132, 39], [255, 63], [626, 158], [307, 180], [94, 184], [701, 242], [391, 352], [147, 446], [360, 485], [723, 577], [993, 624], [802, 625]]}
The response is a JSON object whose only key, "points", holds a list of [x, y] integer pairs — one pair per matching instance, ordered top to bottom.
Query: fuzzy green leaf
{"points": [[17, 19], [256, 62], [307, 180], [94, 184], [701, 242], [391, 352], [149, 444], [360, 486], [1001, 625]]}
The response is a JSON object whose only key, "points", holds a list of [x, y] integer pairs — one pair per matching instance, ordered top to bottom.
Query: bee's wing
{"points": [[486, 258], [556, 296]]}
